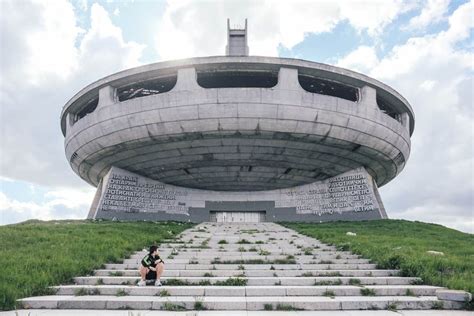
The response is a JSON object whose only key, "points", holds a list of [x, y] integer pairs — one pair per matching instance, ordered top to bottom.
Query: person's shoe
{"points": [[141, 283], [158, 283]]}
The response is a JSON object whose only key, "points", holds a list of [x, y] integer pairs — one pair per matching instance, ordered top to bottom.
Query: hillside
{"points": [[404, 245], [35, 255]]}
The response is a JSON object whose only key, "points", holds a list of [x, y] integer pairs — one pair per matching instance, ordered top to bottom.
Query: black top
{"points": [[151, 261]]}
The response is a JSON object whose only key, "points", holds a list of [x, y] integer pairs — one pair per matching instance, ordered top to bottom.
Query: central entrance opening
{"points": [[237, 216]]}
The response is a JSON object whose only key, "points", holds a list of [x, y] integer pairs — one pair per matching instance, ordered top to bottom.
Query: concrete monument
{"points": [[237, 138]]}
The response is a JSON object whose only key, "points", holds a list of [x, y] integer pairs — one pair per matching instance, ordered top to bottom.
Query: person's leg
{"points": [[159, 270], [143, 272]]}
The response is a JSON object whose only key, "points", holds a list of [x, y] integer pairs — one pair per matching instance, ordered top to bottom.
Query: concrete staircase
{"points": [[250, 266]]}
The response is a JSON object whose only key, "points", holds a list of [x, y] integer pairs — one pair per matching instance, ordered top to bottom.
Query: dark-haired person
{"points": [[151, 262]]}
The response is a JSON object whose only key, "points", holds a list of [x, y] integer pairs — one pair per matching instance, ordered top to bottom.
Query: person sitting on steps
{"points": [[151, 262]]}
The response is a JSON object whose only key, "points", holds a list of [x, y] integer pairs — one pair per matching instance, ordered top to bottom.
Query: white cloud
{"points": [[83, 5], [433, 12], [271, 23], [51, 47], [362, 59], [435, 75], [428, 85], [30, 137], [58, 204]]}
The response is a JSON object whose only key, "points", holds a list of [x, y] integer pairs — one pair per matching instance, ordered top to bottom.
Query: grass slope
{"points": [[399, 244], [35, 255]]}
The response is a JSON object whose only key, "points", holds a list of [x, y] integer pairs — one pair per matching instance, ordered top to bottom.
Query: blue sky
{"points": [[51, 49]]}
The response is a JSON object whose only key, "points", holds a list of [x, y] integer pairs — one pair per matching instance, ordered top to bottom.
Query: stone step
{"points": [[281, 245], [209, 254], [301, 259], [302, 266], [263, 273], [126, 280], [339, 290], [236, 303]]}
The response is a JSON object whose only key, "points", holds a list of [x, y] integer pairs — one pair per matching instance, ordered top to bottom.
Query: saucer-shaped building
{"points": [[237, 138]]}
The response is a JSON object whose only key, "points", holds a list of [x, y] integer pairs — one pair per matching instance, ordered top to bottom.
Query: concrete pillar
{"points": [[288, 79], [187, 80], [107, 96], [368, 97], [405, 120], [69, 121]]}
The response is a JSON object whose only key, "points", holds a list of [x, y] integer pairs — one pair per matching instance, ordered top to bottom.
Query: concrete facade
{"points": [[237, 124], [124, 195]]}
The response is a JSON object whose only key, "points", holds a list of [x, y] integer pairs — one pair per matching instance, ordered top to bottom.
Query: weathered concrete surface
{"points": [[238, 139], [128, 196], [453, 295], [82, 312]]}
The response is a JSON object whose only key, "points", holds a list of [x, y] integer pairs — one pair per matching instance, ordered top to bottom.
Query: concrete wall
{"points": [[127, 196]]}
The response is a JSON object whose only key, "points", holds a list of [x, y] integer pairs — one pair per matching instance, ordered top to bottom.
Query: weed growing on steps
{"points": [[222, 241], [243, 241], [308, 252], [254, 261], [115, 273], [237, 281], [337, 282], [354, 282], [121, 292], [367, 292], [409, 292], [163, 293], [328, 293], [199, 305], [437, 305], [168, 306], [391, 306], [268, 307], [287, 307]]}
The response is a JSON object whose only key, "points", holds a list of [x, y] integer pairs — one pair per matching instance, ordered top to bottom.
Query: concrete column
{"points": [[288, 79], [187, 80], [107, 96], [368, 97], [405, 120], [69, 121]]}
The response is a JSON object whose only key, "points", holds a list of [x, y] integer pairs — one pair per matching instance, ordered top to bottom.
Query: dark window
{"points": [[237, 79], [326, 87], [146, 88], [385, 107], [88, 108]]}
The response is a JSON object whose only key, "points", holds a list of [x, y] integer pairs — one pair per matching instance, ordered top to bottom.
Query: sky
{"points": [[50, 49]]}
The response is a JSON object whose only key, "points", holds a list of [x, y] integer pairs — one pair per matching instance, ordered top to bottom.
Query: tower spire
{"points": [[237, 41]]}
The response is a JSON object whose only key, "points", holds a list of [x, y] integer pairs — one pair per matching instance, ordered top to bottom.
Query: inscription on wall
{"points": [[349, 192], [126, 193]]}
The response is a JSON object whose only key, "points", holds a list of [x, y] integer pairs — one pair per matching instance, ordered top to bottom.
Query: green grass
{"points": [[400, 244], [36, 255]]}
